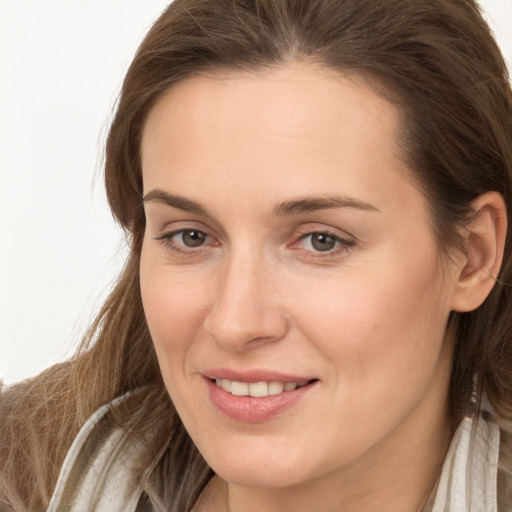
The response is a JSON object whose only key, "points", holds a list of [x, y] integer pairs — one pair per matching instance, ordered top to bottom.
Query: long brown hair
{"points": [[435, 59]]}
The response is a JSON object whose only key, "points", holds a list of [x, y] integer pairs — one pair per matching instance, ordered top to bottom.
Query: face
{"points": [[290, 275]]}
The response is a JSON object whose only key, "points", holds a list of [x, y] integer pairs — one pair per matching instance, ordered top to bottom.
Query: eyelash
{"points": [[165, 239], [342, 244]]}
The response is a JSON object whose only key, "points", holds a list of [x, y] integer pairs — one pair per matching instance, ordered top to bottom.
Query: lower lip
{"points": [[250, 409]]}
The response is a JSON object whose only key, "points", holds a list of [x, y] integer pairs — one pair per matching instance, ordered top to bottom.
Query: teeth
{"points": [[225, 385], [239, 388], [274, 388], [257, 389]]}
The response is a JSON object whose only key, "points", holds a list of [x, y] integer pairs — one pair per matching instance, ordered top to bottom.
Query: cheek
{"points": [[174, 305], [391, 316], [382, 334]]}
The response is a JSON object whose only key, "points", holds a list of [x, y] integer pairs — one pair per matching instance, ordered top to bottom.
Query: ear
{"points": [[484, 246]]}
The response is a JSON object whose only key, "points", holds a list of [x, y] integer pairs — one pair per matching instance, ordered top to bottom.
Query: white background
{"points": [[61, 66]]}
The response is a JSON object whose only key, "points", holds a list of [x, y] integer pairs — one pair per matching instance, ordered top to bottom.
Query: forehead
{"points": [[287, 99], [300, 126]]}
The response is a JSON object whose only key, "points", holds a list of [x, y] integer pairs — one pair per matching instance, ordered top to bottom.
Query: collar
{"points": [[468, 481]]}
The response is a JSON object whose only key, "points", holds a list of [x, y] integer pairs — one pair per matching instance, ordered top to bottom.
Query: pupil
{"points": [[193, 238], [322, 242]]}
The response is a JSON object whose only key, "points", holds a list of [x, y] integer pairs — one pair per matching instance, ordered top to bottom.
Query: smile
{"points": [[258, 389], [257, 401]]}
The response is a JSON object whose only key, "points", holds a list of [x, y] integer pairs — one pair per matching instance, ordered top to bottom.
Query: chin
{"points": [[264, 467], [260, 476]]}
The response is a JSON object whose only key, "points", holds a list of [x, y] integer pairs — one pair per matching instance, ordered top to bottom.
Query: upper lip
{"points": [[254, 375]]}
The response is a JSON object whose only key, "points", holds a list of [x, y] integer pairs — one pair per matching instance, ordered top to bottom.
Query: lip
{"points": [[255, 375], [248, 409]]}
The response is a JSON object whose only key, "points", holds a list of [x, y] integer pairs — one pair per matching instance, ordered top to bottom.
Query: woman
{"points": [[316, 198]]}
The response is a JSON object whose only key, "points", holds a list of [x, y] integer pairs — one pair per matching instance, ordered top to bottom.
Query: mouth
{"points": [[259, 389], [257, 401]]}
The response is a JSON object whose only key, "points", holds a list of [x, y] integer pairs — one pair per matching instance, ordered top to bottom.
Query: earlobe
{"points": [[484, 246]]}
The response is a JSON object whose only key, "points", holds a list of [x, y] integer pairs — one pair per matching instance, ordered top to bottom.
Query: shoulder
{"points": [[31, 413], [106, 467]]}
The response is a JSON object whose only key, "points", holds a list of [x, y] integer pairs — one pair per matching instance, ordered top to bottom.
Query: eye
{"points": [[191, 237], [185, 239], [322, 242]]}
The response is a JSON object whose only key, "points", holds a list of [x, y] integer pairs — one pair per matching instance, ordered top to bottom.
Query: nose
{"points": [[245, 309]]}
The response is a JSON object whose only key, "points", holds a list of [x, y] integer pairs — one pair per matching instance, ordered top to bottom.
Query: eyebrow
{"points": [[182, 203], [310, 204], [287, 208]]}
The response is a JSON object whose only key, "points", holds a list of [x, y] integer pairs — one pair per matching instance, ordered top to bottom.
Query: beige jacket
{"points": [[102, 472]]}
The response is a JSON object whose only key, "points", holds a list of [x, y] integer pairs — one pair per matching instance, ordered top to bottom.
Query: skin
{"points": [[366, 318]]}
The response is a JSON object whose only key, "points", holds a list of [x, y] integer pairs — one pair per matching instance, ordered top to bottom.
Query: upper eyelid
{"points": [[161, 221], [185, 225], [332, 231], [173, 232], [328, 233]]}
